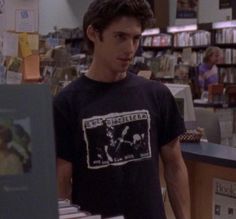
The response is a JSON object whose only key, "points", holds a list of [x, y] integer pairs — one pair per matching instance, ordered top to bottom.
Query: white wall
{"points": [[208, 11], [61, 13], [69, 13], [2, 22]]}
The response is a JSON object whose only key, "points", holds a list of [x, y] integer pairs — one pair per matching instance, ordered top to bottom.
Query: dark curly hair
{"points": [[101, 13]]}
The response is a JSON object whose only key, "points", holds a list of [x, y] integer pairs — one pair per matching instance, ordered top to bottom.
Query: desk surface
{"points": [[213, 105], [210, 153]]}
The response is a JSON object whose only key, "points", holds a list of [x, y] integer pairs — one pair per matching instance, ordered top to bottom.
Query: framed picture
{"points": [[224, 4], [186, 9]]}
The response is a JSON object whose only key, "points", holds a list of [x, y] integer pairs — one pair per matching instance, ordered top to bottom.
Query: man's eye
{"points": [[120, 37], [136, 39]]}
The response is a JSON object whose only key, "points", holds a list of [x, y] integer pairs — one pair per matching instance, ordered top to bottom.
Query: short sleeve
{"points": [[172, 123], [63, 129]]}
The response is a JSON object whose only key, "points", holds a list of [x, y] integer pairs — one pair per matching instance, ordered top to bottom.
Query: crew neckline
{"points": [[90, 80]]}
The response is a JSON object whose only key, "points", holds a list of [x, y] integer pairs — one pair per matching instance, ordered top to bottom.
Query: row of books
{"points": [[227, 35], [191, 38], [198, 38], [181, 39], [161, 40], [229, 56], [188, 57], [193, 58], [162, 66], [227, 75], [67, 210]]}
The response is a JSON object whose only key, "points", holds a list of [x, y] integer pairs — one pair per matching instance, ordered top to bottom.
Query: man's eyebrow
{"points": [[120, 32], [127, 34], [138, 35]]}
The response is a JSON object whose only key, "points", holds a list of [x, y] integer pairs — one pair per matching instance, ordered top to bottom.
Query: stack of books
{"points": [[67, 210]]}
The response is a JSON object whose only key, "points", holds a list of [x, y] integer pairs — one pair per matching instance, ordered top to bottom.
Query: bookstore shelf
{"points": [[188, 44], [226, 45], [202, 47], [155, 48], [226, 65]]}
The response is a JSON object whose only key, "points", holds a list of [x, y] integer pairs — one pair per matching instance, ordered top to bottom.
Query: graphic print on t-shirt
{"points": [[117, 138]]}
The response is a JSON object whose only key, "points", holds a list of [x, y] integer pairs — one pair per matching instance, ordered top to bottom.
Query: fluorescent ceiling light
{"points": [[224, 24], [175, 29], [153, 31]]}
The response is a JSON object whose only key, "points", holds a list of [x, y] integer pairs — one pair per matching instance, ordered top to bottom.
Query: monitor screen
{"points": [[183, 91]]}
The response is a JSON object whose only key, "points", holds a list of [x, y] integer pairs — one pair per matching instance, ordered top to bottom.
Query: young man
{"points": [[111, 125]]}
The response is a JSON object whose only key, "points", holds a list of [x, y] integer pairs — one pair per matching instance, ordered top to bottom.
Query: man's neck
{"points": [[99, 74]]}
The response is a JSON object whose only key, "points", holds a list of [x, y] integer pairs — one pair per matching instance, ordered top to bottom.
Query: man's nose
{"points": [[130, 47]]}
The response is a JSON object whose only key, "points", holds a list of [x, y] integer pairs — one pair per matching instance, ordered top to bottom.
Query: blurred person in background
{"points": [[208, 70]]}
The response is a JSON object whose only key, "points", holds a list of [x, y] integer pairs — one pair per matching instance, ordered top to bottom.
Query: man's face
{"points": [[114, 52]]}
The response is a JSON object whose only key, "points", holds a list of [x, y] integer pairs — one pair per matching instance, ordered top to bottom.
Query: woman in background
{"points": [[208, 71]]}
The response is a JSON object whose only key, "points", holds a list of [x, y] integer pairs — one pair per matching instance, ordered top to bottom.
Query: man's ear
{"points": [[91, 33]]}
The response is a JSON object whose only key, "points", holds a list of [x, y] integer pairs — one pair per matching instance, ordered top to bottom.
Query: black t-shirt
{"points": [[112, 134]]}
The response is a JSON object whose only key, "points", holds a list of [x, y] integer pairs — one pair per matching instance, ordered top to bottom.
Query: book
{"points": [[28, 172], [63, 203], [68, 210], [75, 215], [97, 216], [116, 217]]}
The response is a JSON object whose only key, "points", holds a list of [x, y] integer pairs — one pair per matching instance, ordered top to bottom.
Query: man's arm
{"points": [[64, 174], [176, 176]]}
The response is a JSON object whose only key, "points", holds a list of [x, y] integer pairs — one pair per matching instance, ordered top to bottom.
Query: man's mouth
{"points": [[125, 59]]}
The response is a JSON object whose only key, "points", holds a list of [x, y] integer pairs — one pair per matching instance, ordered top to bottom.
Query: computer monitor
{"points": [[183, 91]]}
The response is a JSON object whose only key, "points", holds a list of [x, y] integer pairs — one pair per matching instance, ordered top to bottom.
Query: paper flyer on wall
{"points": [[225, 4], [2, 6], [186, 9], [2, 16], [25, 20], [10, 44], [27, 153], [224, 199]]}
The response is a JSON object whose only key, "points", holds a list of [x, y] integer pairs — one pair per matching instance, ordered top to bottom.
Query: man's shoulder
{"points": [[149, 83], [70, 90]]}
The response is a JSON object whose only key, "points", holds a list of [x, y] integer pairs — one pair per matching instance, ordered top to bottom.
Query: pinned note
{"points": [[25, 20], [33, 40], [10, 44], [24, 45], [14, 64], [31, 67], [14, 77]]}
